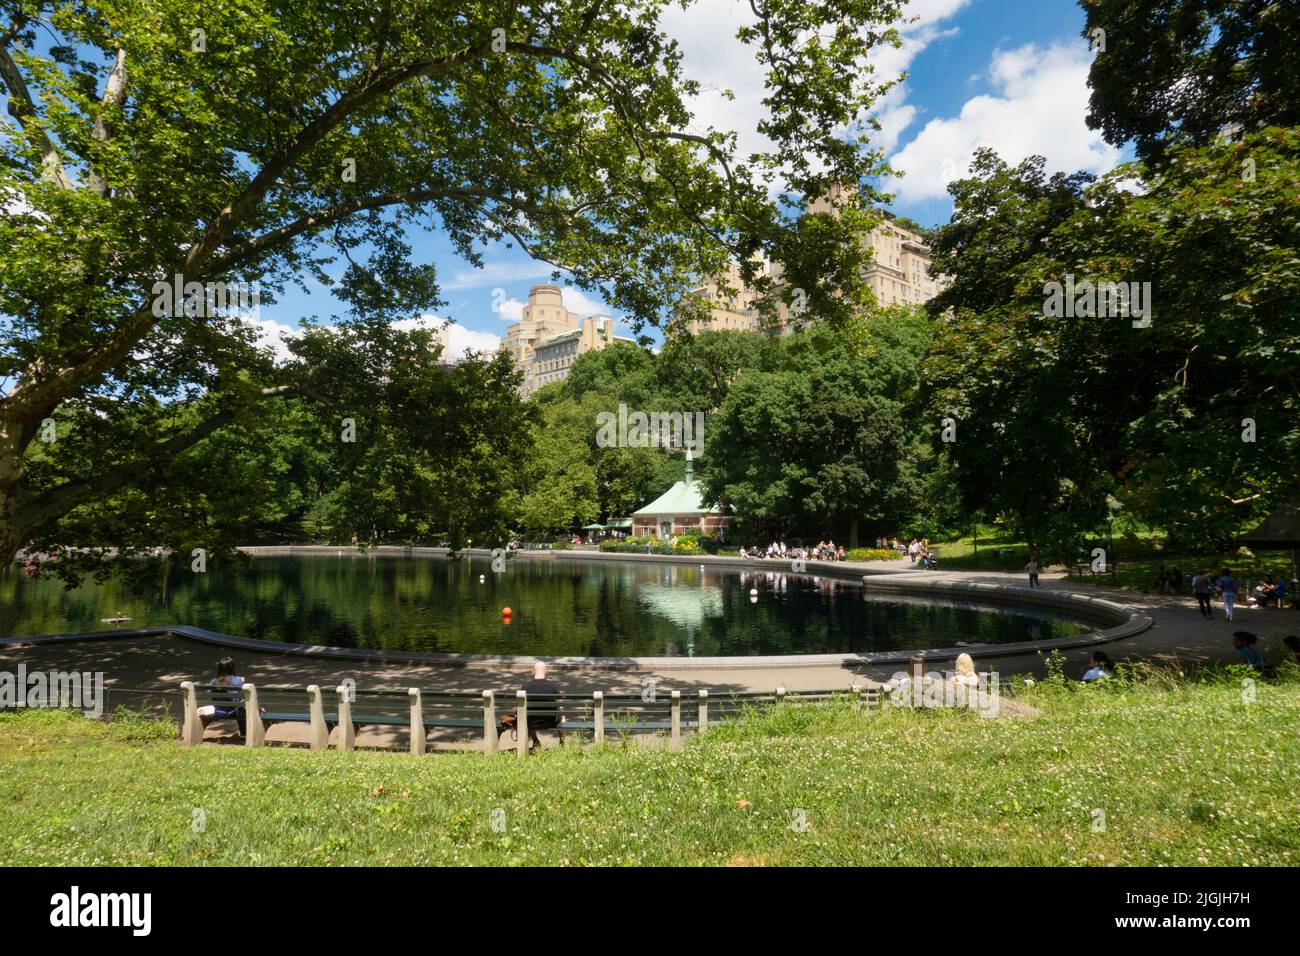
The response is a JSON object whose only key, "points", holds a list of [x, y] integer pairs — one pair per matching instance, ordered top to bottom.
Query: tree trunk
{"points": [[13, 440], [853, 534]]}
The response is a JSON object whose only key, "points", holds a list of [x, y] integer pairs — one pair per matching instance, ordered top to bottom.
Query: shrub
{"points": [[685, 545], [872, 554]]}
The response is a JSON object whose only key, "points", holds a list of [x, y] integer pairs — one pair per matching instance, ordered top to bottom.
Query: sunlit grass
{"points": [[1178, 773]]}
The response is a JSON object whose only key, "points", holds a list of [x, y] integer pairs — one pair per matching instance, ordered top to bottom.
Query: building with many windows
{"points": [[899, 274], [548, 337]]}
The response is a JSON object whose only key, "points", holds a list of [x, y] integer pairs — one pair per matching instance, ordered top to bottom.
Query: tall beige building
{"points": [[899, 274], [732, 308], [548, 337]]}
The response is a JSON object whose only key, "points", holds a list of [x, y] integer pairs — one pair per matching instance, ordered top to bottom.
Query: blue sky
{"points": [[1008, 74]]}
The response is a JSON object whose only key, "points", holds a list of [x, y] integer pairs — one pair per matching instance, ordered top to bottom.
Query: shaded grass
{"points": [[1184, 772]]}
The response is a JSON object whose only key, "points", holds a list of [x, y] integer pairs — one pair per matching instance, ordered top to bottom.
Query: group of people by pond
{"points": [[824, 551], [920, 553]]}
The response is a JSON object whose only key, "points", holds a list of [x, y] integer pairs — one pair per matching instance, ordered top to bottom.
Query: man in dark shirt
{"points": [[544, 714]]}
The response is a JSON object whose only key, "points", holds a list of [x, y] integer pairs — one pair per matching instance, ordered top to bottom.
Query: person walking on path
{"points": [[1032, 568], [1201, 588], [1228, 591]]}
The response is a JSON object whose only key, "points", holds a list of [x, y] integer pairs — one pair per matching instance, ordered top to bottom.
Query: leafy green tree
{"points": [[1171, 71], [262, 142], [619, 371], [695, 373], [1057, 414], [815, 444], [558, 479]]}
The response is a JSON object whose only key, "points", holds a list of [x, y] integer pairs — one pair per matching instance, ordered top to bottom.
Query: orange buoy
{"points": [[506, 613]]}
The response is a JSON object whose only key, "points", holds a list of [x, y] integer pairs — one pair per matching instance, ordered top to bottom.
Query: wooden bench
{"points": [[350, 709], [593, 715]]}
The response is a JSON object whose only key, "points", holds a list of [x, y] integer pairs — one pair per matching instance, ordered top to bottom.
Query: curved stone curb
{"points": [[1123, 622]]}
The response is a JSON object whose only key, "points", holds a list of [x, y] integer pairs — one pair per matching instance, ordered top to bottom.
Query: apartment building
{"points": [[899, 274], [548, 337]]}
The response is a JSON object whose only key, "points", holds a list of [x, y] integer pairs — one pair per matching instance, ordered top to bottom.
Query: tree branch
{"points": [[114, 90], [23, 110], [62, 499]]}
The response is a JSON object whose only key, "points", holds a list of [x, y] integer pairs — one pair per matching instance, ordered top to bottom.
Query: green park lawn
{"points": [[1139, 559], [1179, 773]]}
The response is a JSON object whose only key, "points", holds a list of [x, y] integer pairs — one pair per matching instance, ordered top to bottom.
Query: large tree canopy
{"points": [[1170, 71], [259, 141], [1188, 422], [815, 439]]}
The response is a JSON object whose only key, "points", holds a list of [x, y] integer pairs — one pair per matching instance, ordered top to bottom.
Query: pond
{"points": [[560, 608]]}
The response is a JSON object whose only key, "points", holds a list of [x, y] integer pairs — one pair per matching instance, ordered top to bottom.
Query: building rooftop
{"points": [[683, 498]]}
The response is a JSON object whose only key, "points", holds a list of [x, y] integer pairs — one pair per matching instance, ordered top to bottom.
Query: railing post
{"points": [[916, 667], [856, 691], [780, 695], [704, 712], [598, 715], [417, 722], [489, 722], [521, 723], [191, 726], [254, 728], [347, 732], [320, 733], [675, 740]]}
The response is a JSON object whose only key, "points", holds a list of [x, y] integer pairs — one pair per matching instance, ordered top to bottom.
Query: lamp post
{"points": [[1110, 544]]}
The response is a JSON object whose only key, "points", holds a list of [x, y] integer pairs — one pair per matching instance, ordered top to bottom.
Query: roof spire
{"points": [[690, 467]]}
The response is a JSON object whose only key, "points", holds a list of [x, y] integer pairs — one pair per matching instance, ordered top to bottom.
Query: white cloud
{"points": [[706, 32], [1039, 107], [576, 301], [512, 310], [272, 335], [275, 336], [460, 340]]}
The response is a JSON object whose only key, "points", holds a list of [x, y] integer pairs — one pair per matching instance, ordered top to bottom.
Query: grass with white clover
{"points": [[1159, 768]]}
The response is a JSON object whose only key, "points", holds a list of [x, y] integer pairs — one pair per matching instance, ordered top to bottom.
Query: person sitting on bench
{"points": [[1265, 592], [227, 706], [545, 715]]}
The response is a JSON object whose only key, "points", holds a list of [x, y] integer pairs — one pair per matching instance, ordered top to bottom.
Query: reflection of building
{"points": [[548, 337], [678, 510], [682, 604]]}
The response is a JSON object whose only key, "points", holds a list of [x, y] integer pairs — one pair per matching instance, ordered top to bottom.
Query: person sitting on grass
{"points": [[1244, 642], [1292, 645], [1100, 667], [965, 673]]}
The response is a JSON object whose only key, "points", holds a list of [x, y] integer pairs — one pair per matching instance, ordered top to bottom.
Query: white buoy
{"points": [[482, 578], [753, 592], [753, 599]]}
